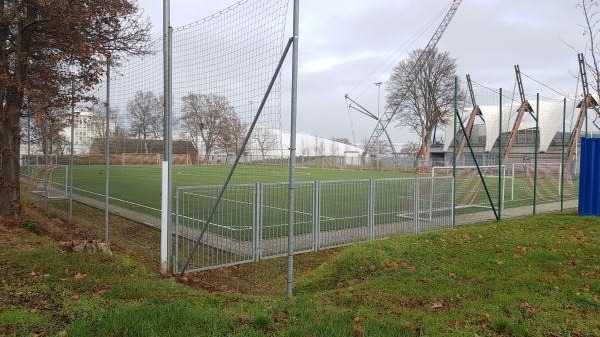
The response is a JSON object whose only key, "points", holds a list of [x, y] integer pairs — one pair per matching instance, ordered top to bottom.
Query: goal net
{"points": [[140, 158], [547, 179], [48, 181], [470, 190]]}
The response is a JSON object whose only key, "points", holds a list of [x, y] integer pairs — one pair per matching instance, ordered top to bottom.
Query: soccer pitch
{"points": [[141, 185], [345, 195]]}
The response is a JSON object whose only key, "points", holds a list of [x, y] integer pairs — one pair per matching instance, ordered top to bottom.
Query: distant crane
{"points": [[588, 101], [524, 107], [390, 112], [474, 113], [369, 114]]}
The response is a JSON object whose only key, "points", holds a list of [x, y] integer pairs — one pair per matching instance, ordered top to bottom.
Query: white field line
{"points": [[203, 174], [117, 199], [251, 204], [240, 228]]}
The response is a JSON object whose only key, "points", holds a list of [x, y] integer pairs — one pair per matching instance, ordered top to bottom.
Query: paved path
{"points": [[514, 212]]}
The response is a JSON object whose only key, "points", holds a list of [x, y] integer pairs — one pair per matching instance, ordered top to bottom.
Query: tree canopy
{"points": [[53, 52], [423, 94], [145, 113], [209, 119]]}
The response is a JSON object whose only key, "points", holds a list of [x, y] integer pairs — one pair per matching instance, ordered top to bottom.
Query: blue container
{"points": [[589, 177]]}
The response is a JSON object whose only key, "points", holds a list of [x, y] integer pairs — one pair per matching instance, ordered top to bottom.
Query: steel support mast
{"points": [[588, 101], [524, 107], [390, 112], [474, 113]]}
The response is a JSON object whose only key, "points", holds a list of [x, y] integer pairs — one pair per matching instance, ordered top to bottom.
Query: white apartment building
{"points": [[87, 126]]}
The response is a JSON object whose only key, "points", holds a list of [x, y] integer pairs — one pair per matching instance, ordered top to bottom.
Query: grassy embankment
{"points": [[537, 276]]}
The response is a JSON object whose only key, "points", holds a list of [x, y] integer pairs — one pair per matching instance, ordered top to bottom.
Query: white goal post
{"points": [[48, 181], [470, 191]]}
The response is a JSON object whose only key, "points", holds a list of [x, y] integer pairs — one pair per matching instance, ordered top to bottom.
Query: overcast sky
{"points": [[346, 46]]}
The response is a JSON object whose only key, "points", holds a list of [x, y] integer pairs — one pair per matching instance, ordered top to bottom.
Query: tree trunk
{"points": [[423, 156], [9, 161]]}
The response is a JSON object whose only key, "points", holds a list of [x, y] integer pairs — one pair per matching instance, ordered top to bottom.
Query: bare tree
{"points": [[591, 29], [45, 48], [424, 98], [146, 115], [204, 118], [97, 121], [46, 131], [231, 135], [265, 140], [319, 147], [382, 147], [333, 148], [379, 148], [410, 148], [304, 149]]}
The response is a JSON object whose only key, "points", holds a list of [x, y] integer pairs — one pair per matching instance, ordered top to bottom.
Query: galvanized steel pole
{"points": [[107, 148], [71, 153], [453, 153], [535, 154], [562, 158], [292, 177], [165, 180], [500, 187]]}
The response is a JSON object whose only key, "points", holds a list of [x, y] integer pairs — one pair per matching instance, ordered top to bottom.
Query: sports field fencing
{"points": [[227, 80], [250, 222]]}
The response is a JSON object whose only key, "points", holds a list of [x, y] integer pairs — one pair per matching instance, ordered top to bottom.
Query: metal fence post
{"points": [[72, 147], [536, 150], [107, 151], [453, 152], [562, 157], [512, 183], [500, 184], [431, 189], [416, 206], [370, 211], [316, 216], [257, 222], [176, 247]]}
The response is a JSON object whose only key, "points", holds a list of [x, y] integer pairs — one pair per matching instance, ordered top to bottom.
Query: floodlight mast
{"points": [[588, 101], [524, 107], [390, 112], [474, 113]]}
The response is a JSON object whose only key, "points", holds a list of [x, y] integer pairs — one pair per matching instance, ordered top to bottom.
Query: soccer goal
{"points": [[141, 158], [547, 179], [48, 181], [470, 190]]}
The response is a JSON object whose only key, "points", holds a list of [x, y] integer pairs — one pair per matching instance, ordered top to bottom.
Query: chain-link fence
{"points": [[506, 150]]}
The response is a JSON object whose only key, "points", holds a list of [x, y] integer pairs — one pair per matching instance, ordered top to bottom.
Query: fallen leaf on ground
{"points": [[437, 305]]}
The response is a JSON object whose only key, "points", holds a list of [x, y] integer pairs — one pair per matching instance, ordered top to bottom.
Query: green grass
{"points": [[141, 183], [343, 195], [535, 276]]}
